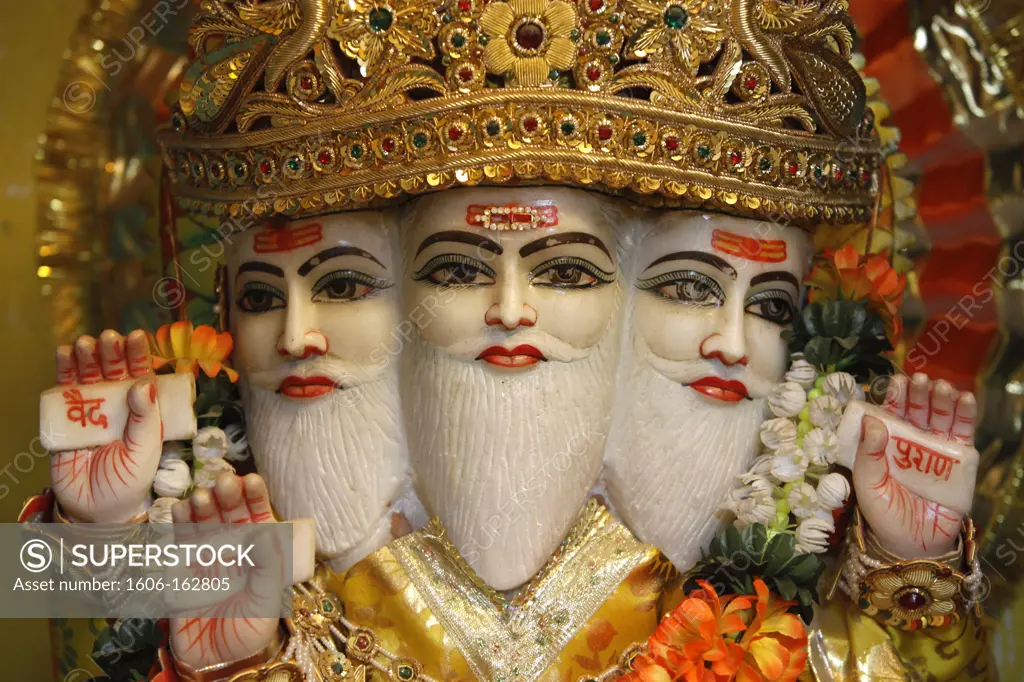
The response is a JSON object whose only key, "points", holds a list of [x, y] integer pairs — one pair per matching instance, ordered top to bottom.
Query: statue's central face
{"points": [[513, 298], [509, 374]]}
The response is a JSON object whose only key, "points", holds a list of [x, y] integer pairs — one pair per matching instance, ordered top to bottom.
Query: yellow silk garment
{"points": [[601, 594], [847, 645]]}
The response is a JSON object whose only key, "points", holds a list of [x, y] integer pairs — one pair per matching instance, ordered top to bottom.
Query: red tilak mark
{"points": [[548, 215], [280, 239], [759, 250]]}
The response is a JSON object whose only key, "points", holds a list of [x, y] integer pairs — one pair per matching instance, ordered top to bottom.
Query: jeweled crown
{"points": [[299, 107]]}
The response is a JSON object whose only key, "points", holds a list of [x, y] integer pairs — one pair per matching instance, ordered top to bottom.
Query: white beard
{"points": [[674, 458], [338, 460], [507, 462]]}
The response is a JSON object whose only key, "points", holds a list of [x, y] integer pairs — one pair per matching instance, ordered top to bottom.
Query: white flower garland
{"points": [[792, 487]]}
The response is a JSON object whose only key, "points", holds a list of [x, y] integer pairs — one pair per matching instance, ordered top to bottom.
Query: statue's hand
{"points": [[916, 465], [110, 483], [216, 636]]}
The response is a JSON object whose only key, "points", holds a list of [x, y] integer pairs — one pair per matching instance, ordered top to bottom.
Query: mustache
{"points": [[553, 348], [688, 371], [343, 372]]}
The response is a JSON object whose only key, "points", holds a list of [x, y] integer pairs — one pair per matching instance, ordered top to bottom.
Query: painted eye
{"points": [[455, 270], [569, 273], [344, 286], [686, 286], [260, 297], [773, 306]]}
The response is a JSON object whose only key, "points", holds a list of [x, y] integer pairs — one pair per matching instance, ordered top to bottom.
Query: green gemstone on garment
{"points": [[676, 17], [380, 19]]}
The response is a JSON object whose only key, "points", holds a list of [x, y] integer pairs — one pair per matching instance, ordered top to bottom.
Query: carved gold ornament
{"points": [[300, 107]]}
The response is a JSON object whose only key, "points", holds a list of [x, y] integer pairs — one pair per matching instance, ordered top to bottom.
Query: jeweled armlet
{"points": [[910, 595]]}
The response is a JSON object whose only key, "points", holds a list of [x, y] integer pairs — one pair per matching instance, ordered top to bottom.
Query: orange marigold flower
{"points": [[848, 275], [191, 348], [709, 638]]}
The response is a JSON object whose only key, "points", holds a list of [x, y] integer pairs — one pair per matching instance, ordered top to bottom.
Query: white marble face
{"points": [[711, 296], [313, 313], [511, 363]]}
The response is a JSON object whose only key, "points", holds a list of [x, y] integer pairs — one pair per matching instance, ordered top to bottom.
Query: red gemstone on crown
{"points": [[465, 5], [596, 5], [530, 36], [593, 73], [465, 74], [306, 82], [751, 83], [531, 124], [604, 131], [454, 133], [671, 143], [388, 145], [324, 158], [736, 158], [265, 167], [793, 168], [362, 642]]}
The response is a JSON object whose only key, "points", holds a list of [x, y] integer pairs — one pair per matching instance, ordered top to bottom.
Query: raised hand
{"points": [[916, 466], [110, 483], [217, 635]]}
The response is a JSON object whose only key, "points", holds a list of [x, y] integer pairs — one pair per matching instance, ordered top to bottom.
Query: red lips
{"points": [[520, 356], [306, 387], [720, 389]]}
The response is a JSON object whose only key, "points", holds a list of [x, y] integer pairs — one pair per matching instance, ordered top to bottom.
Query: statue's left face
{"points": [[298, 291], [313, 312]]}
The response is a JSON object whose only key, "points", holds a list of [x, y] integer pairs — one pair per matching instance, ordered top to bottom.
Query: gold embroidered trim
{"points": [[519, 640]]}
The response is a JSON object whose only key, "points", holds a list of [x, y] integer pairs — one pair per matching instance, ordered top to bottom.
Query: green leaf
{"points": [[811, 317], [755, 537], [733, 542], [779, 553], [805, 568], [787, 588]]}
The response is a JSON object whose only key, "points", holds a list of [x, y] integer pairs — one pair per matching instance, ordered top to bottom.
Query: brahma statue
{"points": [[529, 320]]}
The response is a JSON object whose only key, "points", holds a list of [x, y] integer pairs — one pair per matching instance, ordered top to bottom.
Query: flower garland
{"points": [[202, 351], [766, 564]]}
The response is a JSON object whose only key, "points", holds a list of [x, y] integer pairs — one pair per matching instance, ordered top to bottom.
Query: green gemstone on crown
{"points": [[675, 17], [380, 19], [603, 37], [458, 40], [568, 127], [493, 128], [639, 139], [419, 140], [356, 151], [704, 151], [294, 164], [765, 165], [338, 667], [405, 672]]}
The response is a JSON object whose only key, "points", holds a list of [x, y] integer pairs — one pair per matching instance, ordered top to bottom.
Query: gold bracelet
{"points": [[910, 595], [250, 668]]}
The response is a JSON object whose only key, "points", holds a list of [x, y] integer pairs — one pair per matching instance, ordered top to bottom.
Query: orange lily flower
{"points": [[846, 274], [191, 348], [708, 638], [775, 643]]}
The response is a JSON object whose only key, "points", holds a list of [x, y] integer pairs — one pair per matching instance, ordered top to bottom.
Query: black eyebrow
{"points": [[464, 238], [554, 240], [335, 252], [710, 259], [259, 266], [775, 277]]}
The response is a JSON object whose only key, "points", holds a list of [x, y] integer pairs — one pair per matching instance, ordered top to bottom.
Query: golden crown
{"points": [[298, 107]]}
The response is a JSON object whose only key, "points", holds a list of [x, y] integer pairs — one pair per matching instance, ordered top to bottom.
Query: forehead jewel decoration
{"points": [[301, 107]]}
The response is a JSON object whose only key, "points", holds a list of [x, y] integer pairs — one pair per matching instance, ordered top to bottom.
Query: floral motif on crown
{"points": [[308, 106]]}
